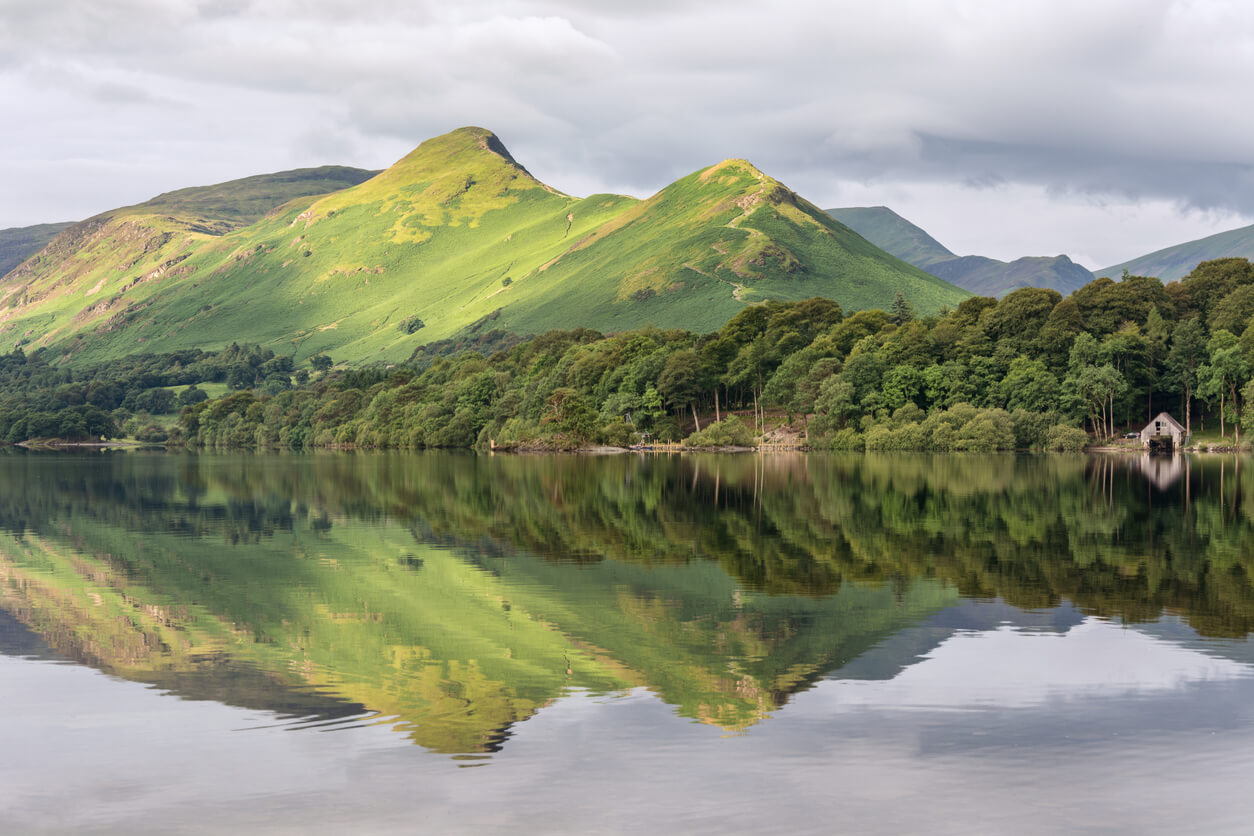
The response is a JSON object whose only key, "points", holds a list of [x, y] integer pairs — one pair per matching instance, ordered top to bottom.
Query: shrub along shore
{"points": [[1032, 370]]}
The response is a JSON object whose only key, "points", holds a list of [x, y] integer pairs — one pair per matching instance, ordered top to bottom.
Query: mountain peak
{"points": [[469, 139], [462, 145], [733, 167], [452, 178], [757, 187]]}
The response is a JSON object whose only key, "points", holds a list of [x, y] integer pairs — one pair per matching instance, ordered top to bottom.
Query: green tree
{"points": [[901, 311], [1156, 334], [1186, 355], [1222, 378], [682, 381], [1029, 385]]}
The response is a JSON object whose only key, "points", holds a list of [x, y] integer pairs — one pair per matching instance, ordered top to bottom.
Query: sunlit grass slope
{"points": [[454, 236], [697, 252], [95, 277]]}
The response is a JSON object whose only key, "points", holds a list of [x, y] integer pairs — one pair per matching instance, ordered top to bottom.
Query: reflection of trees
{"points": [[1029, 529], [725, 583]]}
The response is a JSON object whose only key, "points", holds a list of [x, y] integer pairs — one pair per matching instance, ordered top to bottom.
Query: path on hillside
{"points": [[747, 204]]}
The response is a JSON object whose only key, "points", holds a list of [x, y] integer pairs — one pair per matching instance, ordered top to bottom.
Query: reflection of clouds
{"points": [[1009, 668]]}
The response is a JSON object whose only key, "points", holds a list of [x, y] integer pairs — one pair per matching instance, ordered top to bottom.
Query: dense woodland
{"points": [[1032, 370]]}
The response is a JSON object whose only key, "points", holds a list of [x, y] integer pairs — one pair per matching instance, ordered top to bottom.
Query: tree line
{"points": [[1031, 370], [43, 398]]}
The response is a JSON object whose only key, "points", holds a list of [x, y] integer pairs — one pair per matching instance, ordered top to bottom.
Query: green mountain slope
{"points": [[237, 203], [893, 233], [454, 234], [20, 243], [693, 254], [1176, 262], [979, 274], [84, 281]]}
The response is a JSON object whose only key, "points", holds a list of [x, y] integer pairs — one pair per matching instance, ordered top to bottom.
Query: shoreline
{"points": [[54, 444]]}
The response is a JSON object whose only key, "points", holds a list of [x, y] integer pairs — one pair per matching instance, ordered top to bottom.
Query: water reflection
{"points": [[454, 596]]}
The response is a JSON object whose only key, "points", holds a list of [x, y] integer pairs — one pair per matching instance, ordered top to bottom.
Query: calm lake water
{"points": [[447, 643]]}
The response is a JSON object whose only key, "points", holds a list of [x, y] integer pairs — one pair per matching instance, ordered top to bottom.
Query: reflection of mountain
{"points": [[460, 594], [16, 639], [457, 645], [906, 647]]}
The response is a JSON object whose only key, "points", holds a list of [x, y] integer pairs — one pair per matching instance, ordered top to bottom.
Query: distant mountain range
{"points": [[455, 238], [20, 243], [1176, 262], [979, 274]]}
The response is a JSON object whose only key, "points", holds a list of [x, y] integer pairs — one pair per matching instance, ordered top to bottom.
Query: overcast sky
{"points": [[1103, 129]]}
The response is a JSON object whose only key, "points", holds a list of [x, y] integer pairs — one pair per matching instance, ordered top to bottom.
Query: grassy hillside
{"points": [[227, 206], [893, 233], [455, 234], [20, 243], [696, 252], [1177, 262], [979, 274], [93, 277]]}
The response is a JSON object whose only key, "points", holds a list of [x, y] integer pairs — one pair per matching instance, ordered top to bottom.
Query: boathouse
{"points": [[1163, 434]]}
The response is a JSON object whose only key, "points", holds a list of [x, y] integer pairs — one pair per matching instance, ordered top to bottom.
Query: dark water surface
{"points": [[708, 644]]}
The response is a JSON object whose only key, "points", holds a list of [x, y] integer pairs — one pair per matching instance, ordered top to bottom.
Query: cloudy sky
{"points": [[1100, 129]]}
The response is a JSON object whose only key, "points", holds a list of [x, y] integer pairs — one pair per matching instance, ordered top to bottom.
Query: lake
{"points": [[448, 643]]}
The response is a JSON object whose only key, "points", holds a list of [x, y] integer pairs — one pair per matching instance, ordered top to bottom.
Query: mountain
{"points": [[227, 206], [894, 234], [454, 237], [20, 243], [1177, 262], [979, 274], [985, 276]]}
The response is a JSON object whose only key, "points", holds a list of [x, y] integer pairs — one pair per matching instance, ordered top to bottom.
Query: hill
{"points": [[226, 206], [894, 234], [455, 236], [20, 243], [1172, 263], [979, 274], [985, 276]]}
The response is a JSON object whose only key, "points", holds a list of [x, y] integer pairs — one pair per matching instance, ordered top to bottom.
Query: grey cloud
{"points": [[1135, 99]]}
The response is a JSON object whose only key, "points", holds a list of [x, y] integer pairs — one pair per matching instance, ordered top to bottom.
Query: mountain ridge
{"points": [[455, 233], [20, 243], [1177, 261], [978, 274]]}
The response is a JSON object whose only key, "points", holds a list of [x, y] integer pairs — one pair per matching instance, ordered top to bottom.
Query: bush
{"points": [[410, 324], [1032, 428], [988, 430], [730, 432], [152, 434], [617, 434], [905, 437], [848, 439], [1067, 439]]}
